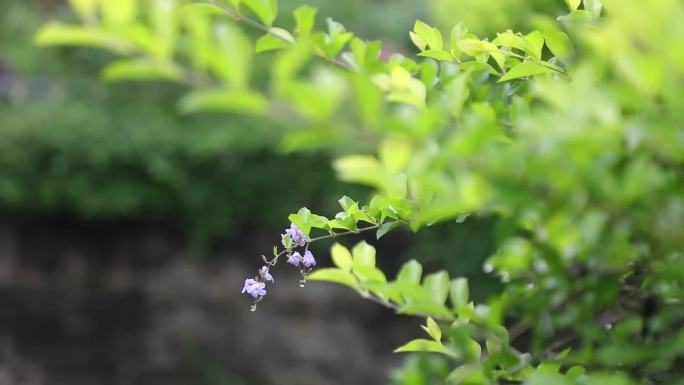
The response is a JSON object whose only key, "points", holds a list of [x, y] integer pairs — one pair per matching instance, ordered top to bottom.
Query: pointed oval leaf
{"points": [[266, 10], [523, 70], [364, 254], [341, 257], [410, 272], [335, 276], [437, 285], [458, 291], [422, 345]]}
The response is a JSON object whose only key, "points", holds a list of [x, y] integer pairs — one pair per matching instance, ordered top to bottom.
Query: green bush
{"points": [[569, 135], [71, 147], [109, 160]]}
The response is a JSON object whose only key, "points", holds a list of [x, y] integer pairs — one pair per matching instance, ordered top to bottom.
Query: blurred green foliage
{"points": [[487, 17], [570, 135], [71, 147], [107, 159]]}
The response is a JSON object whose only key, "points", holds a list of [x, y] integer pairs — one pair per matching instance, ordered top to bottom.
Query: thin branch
{"points": [[335, 235]]}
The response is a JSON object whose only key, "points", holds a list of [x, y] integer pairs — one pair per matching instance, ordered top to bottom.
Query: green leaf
{"points": [[573, 4], [594, 7], [202, 9], [266, 10], [118, 13], [579, 16], [305, 18], [55, 33], [457, 33], [431, 36], [510, 39], [418, 41], [557, 41], [269, 42], [333, 43], [535, 44], [474, 47], [437, 54], [232, 59], [288, 63], [478, 66], [141, 70], [523, 70], [222, 100], [369, 101], [395, 155], [360, 169], [348, 204], [305, 214], [363, 216], [302, 220], [344, 221], [320, 222], [386, 227], [364, 254], [341, 257], [410, 272], [367, 273], [334, 275], [437, 285], [384, 291], [458, 291], [412, 292], [426, 308], [433, 329], [422, 345], [464, 345], [575, 372], [470, 374], [545, 378]]}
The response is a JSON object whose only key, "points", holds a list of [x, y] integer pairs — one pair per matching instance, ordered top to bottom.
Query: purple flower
{"points": [[297, 236], [295, 259], [308, 259], [264, 273], [254, 288]]}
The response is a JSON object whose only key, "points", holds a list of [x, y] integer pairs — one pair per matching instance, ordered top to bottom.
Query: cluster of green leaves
{"points": [[487, 17], [515, 55], [570, 134], [70, 147], [383, 214], [357, 270]]}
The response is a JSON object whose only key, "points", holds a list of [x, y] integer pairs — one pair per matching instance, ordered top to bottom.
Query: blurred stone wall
{"points": [[122, 304]]}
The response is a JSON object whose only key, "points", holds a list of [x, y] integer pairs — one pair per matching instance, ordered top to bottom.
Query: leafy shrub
{"points": [[570, 135], [70, 147]]}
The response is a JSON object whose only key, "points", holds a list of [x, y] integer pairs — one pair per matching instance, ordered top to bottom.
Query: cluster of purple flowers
{"points": [[298, 237], [306, 260], [256, 287]]}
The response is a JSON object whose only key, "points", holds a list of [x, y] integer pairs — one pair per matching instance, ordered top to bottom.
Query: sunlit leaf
{"points": [[266, 10], [305, 17], [141, 70], [524, 70], [223, 100], [341, 257], [335, 276], [437, 284], [421, 345]]}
